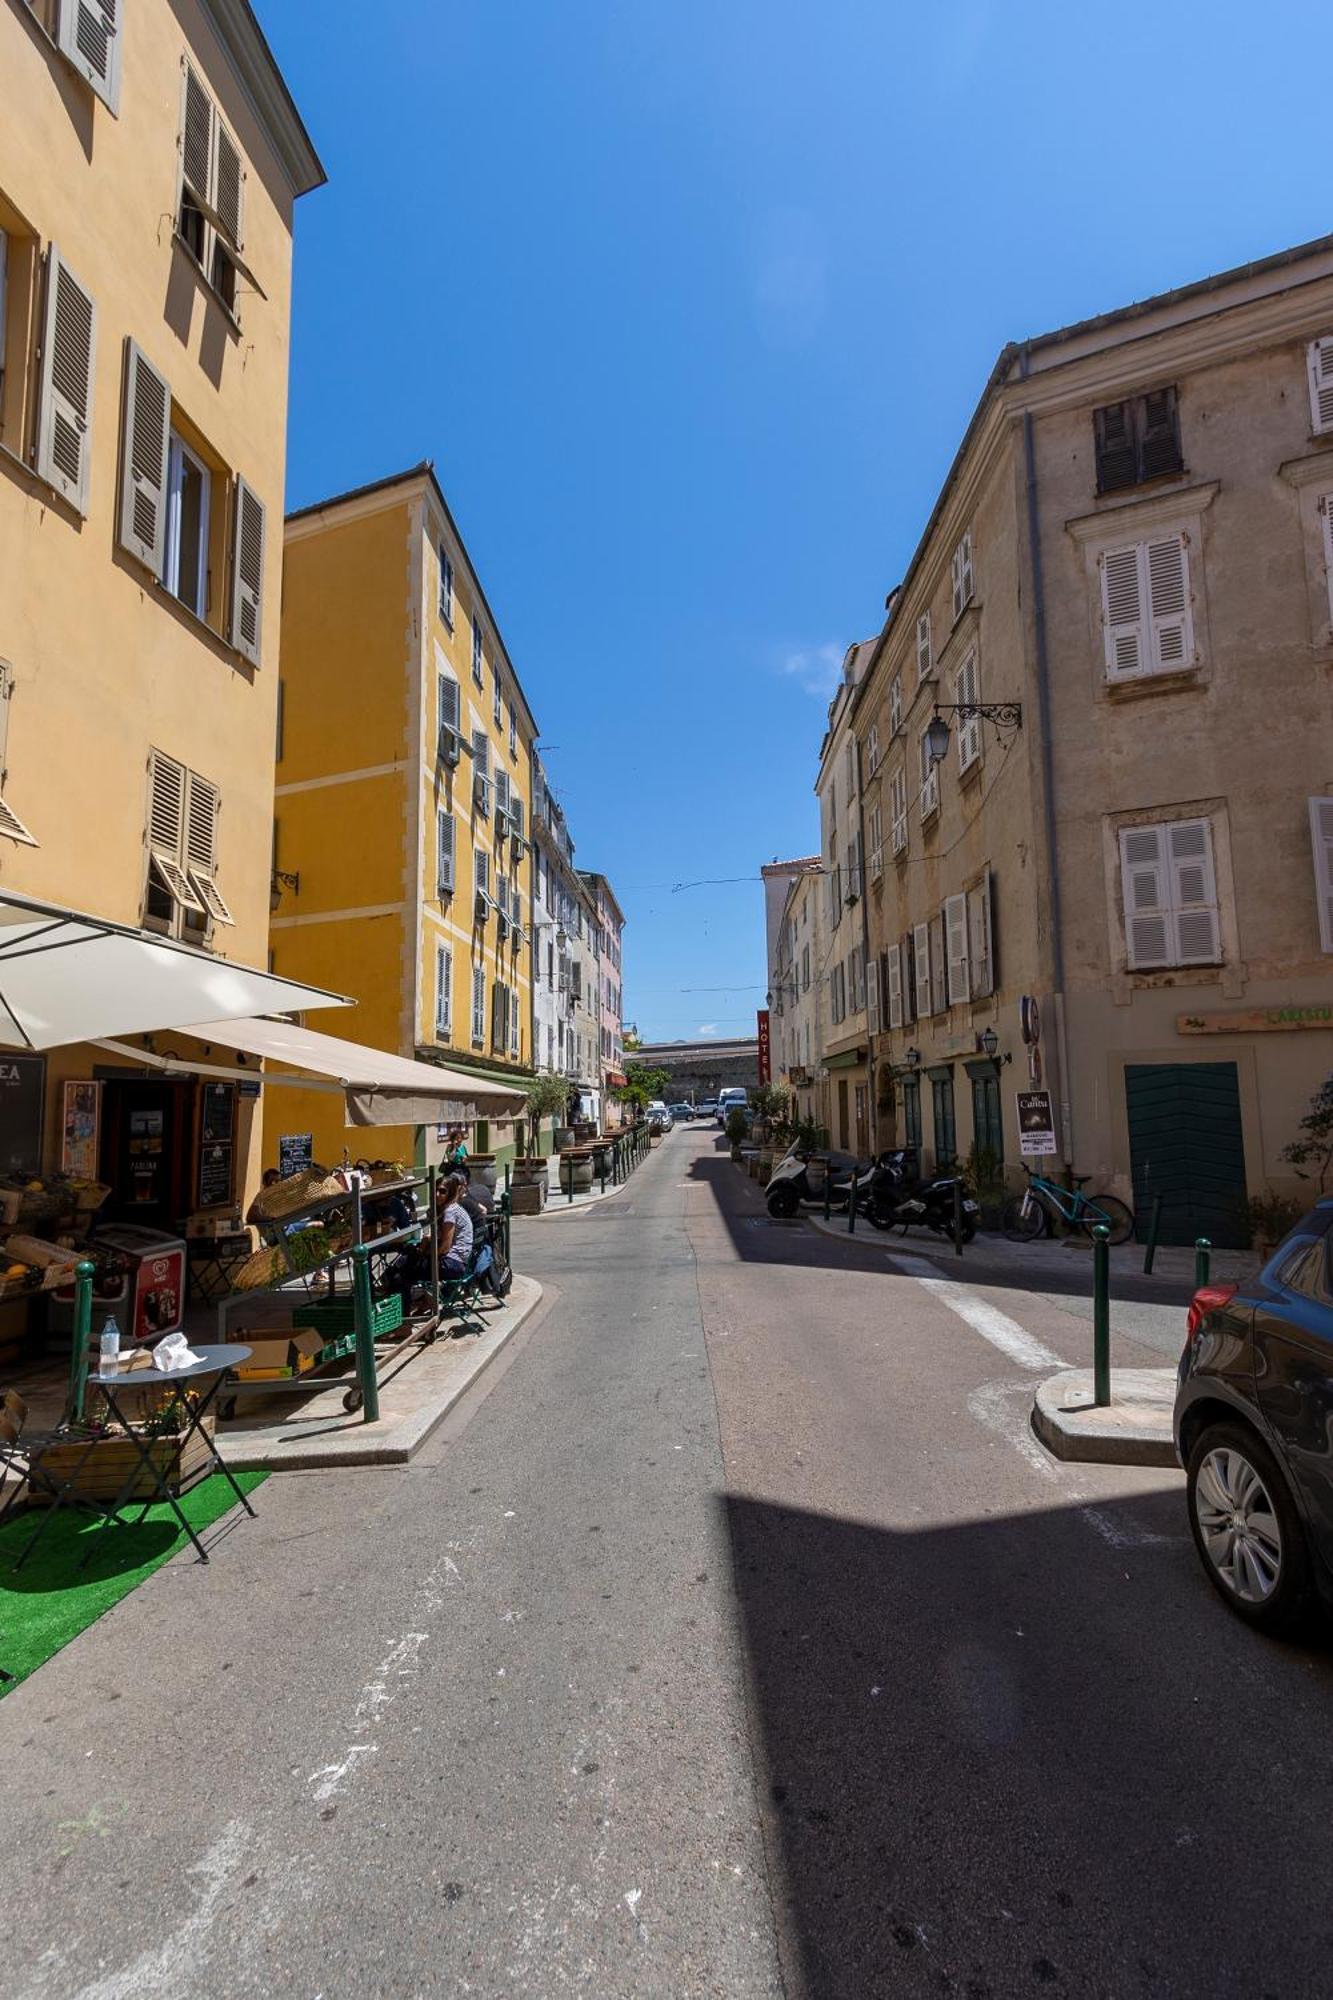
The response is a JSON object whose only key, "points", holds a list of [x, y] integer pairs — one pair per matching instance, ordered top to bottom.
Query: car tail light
{"points": [[1208, 1298]]}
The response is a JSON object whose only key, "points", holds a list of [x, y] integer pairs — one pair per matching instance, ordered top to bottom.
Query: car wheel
{"points": [[1249, 1535]]}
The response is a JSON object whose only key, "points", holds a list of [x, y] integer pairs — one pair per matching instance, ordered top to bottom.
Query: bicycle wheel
{"points": [[1106, 1209], [1025, 1219]]}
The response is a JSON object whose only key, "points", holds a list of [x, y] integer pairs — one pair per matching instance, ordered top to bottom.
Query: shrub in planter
{"points": [[1270, 1217]]}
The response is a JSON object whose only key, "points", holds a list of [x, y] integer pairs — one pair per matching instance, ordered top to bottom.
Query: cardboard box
{"points": [[279, 1357]]}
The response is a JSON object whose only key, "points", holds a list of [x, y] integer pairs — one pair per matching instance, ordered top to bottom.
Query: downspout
{"points": [[1048, 781]]}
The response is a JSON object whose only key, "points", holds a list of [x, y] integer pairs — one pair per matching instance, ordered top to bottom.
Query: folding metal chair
{"points": [[21, 1464]]}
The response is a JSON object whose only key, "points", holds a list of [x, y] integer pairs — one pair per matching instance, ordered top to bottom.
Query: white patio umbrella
{"points": [[67, 977]]}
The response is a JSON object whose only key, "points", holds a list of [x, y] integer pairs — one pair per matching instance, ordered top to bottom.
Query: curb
{"points": [[1134, 1428], [395, 1444]]}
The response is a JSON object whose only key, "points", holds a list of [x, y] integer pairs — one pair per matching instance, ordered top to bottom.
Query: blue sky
{"points": [[690, 304]]}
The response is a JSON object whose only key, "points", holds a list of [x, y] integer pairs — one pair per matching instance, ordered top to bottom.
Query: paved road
{"points": [[737, 1640]]}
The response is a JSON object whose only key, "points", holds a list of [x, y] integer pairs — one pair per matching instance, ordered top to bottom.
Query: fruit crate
{"points": [[336, 1320]]}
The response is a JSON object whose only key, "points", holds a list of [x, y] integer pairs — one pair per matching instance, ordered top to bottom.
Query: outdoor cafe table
{"points": [[212, 1361]]}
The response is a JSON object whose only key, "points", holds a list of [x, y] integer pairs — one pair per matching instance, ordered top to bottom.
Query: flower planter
{"points": [[564, 1138], [481, 1167], [576, 1171], [529, 1173], [527, 1198], [108, 1465]]}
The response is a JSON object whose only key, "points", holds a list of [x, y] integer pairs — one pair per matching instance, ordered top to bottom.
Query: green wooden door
{"points": [[1186, 1144]]}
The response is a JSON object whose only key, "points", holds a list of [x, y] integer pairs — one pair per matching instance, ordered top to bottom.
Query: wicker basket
{"points": [[297, 1191]]}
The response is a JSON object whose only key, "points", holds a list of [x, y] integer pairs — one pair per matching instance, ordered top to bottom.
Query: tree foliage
{"points": [[642, 1085], [1314, 1149]]}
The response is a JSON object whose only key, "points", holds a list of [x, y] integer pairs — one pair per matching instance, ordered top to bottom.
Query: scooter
{"points": [[797, 1183], [897, 1199]]}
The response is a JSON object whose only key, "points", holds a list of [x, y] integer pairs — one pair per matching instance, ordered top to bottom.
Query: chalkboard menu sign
{"points": [[22, 1093], [217, 1129], [296, 1151], [215, 1176]]}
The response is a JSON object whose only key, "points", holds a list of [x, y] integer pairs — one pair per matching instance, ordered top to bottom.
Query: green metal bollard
{"points": [[570, 1165], [601, 1168], [506, 1177], [828, 1189], [957, 1216], [1154, 1224], [1203, 1260], [363, 1312], [1101, 1315], [80, 1340]]}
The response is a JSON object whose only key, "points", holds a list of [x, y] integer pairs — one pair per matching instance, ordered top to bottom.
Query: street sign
{"points": [[1029, 1020], [765, 1067], [1036, 1123]]}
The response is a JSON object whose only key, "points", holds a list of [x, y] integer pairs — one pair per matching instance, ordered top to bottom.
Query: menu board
{"points": [[22, 1090], [217, 1131], [296, 1151]]}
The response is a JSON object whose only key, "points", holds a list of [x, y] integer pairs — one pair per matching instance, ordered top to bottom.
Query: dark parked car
{"points": [[682, 1113], [1254, 1428]]}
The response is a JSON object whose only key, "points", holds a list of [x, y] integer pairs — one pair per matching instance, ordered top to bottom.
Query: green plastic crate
{"points": [[337, 1321]]}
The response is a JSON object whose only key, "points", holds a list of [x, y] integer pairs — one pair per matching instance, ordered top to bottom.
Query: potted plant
{"points": [[547, 1097], [737, 1130], [985, 1172], [1270, 1217]]}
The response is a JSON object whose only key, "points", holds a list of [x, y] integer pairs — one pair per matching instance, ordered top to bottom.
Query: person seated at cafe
{"points": [[271, 1178], [476, 1198], [454, 1227]]}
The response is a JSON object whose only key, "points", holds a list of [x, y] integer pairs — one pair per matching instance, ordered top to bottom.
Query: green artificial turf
{"points": [[50, 1600]]}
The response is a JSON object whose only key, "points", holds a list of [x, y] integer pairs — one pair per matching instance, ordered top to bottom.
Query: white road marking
{"points": [[993, 1325], [992, 1406], [1123, 1534], [333, 1775], [173, 1967]]}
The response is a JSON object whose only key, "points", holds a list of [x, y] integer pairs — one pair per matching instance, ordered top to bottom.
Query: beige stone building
{"points": [[1134, 545], [848, 967], [796, 989]]}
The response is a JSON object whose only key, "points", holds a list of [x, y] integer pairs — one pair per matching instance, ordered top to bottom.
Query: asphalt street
{"points": [[736, 1637]]}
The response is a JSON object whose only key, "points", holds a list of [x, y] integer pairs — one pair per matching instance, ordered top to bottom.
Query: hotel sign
{"points": [[1257, 1021], [765, 1065]]}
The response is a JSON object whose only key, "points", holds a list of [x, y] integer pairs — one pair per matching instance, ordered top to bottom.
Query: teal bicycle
{"points": [[1033, 1213]]}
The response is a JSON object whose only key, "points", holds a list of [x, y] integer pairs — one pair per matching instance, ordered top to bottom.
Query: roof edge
{"points": [[237, 28]]}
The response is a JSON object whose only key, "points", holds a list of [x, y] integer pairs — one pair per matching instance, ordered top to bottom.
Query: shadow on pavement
{"points": [[760, 1238], [1031, 1753]]}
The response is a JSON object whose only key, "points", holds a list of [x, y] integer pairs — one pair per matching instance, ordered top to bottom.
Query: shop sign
{"points": [[1256, 1021], [765, 1065], [248, 1086], [22, 1087], [1036, 1123], [80, 1130], [296, 1152]]}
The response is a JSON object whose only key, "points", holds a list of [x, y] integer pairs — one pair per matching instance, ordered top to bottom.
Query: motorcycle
{"points": [[797, 1183], [896, 1198]]}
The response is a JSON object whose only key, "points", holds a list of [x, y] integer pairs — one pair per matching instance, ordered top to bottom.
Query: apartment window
{"points": [[85, 32], [211, 214], [1321, 383], [65, 390], [1137, 440], [1326, 535], [185, 565], [963, 575], [446, 587], [1146, 613], [925, 650], [477, 667], [967, 693], [497, 699], [895, 704], [450, 706], [513, 731], [872, 749], [849, 760], [481, 771], [930, 779], [898, 810], [876, 824], [11, 826], [1321, 837], [444, 853], [481, 882], [1169, 891], [181, 894], [981, 938], [805, 961], [921, 962], [939, 967], [856, 978], [444, 987], [838, 993], [478, 1005], [515, 1047], [941, 1095], [911, 1100], [987, 1122]]}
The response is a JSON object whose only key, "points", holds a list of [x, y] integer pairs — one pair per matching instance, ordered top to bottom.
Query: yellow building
{"points": [[150, 160], [403, 871]]}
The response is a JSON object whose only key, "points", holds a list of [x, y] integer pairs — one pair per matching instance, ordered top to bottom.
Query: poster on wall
{"points": [[765, 1067], [22, 1088], [1036, 1123], [80, 1130], [296, 1151]]}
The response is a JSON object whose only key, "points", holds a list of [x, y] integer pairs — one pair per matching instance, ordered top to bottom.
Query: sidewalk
{"points": [[1048, 1257]]}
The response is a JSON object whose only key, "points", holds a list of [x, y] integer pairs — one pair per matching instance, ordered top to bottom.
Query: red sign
{"points": [[765, 1067]]}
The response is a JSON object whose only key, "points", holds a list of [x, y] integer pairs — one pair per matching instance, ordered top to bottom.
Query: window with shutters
{"points": [[87, 34], [210, 217], [20, 263], [68, 346], [1320, 364], [1137, 440], [1325, 506], [185, 554], [963, 576], [446, 599], [1146, 608], [925, 651], [478, 666], [967, 693], [497, 698], [450, 704], [895, 704], [513, 731], [872, 750], [930, 779], [898, 810], [11, 826], [876, 829], [1321, 840], [444, 853], [481, 876], [1169, 893], [181, 894], [980, 938], [921, 963], [805, 968], [939, 970], [893, 979], [958, 987], [444, 991], [478, 1005], [873, 1019], [515, 1044], [911, 1102], [945, 1134]]}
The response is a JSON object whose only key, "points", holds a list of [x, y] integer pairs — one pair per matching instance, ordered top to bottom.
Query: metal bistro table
{"points": [[214, 1361]]}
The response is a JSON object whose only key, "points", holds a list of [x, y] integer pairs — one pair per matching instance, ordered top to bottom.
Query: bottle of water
{"points": [[109, 1348]]}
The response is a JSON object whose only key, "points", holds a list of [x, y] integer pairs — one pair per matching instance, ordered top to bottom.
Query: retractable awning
{"points": [[69, 977], [380, 1089]]}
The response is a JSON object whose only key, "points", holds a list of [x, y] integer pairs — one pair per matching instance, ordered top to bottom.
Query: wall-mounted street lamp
{"points": [[1004, 714], [988, 1041], [911, 1058]]}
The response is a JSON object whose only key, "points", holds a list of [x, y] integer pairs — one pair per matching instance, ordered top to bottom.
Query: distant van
{"points": [[727, 1100]]}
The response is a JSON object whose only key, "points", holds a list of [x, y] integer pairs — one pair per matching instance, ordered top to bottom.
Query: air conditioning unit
{"points": [[450, 749], [481, 791], [483, 906]]}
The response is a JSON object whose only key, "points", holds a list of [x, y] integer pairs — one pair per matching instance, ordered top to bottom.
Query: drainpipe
{"points": [[1048, 783]]}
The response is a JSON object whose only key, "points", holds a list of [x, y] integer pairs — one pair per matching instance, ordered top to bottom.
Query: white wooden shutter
{"points": [[88, 35], [197, 142], [228, 187], [69, 337], [1321, 383], [143, 483], [1326, 515], [962, 575], [247, 581], [1169, 602], [1122, 612], [924, 660], [967, 692], [449, 703], [896, 704], [481, 752], [502, 792], [516, 814], [201, 824], [444, 824], [12, 827], [166, 829], [1321, 839], [481, 873], [1144, 886], [1193, 892], [955, 923], [921, 947], [981, 958], [939, 965], [895, 967], [444, 981], [872, 997], [478, 1004], [513, 1023], [499, 1024]]}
